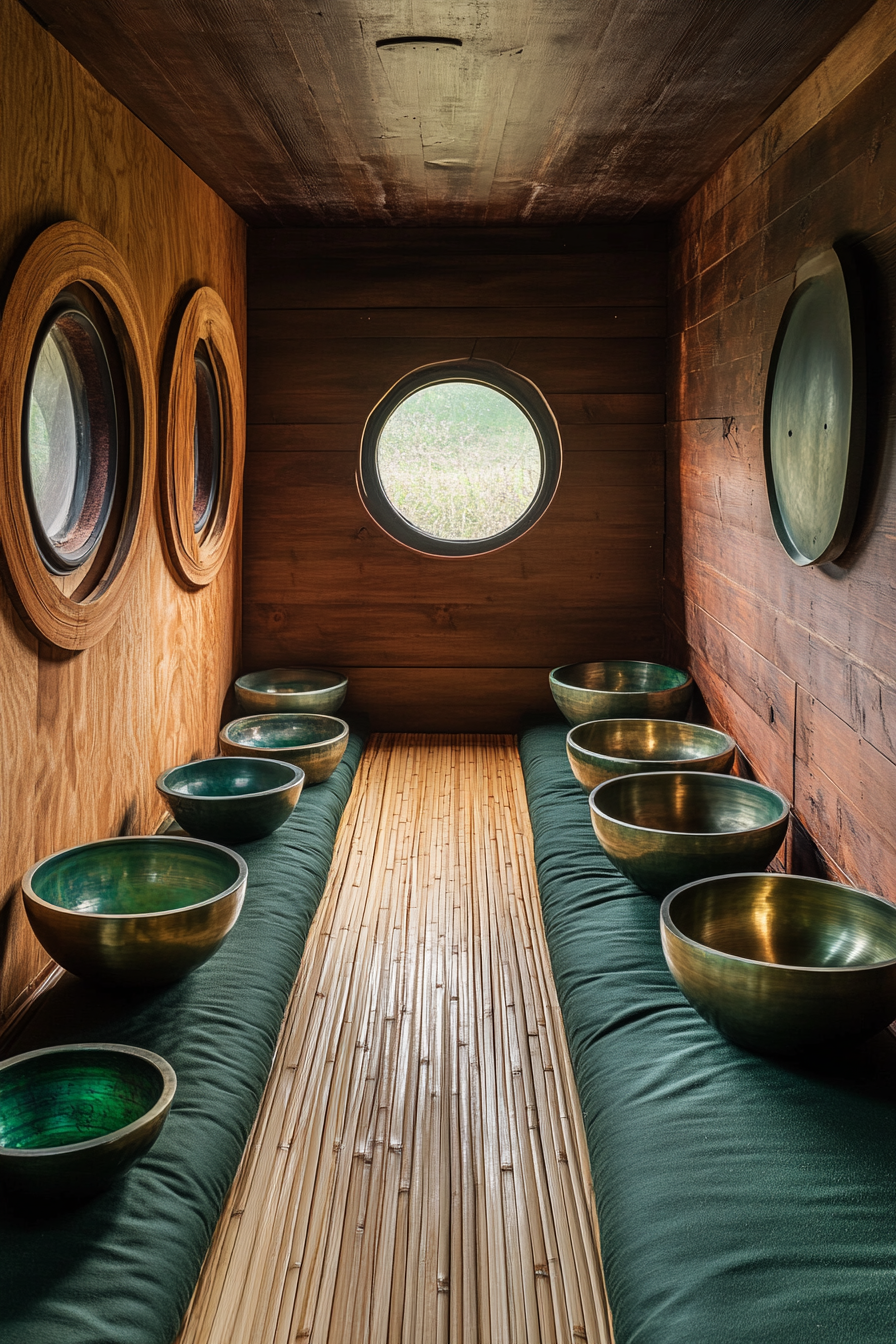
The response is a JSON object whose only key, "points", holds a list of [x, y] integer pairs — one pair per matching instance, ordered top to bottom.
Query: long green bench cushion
{"points": [[741, 1200], [121, 1269]]}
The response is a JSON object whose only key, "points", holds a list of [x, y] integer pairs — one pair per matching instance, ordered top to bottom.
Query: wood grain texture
{"points": [[845, 69], [547, 112], [287, 270], [462, 323], [286, 371], [325, 585], [822, 639], [747, 695], [473, 697], [86, 734], [843, 792], [418, 1169]]}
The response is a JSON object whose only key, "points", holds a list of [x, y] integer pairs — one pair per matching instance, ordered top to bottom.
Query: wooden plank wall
{"points": [[335, 318], [799, 664], [84, 735]]}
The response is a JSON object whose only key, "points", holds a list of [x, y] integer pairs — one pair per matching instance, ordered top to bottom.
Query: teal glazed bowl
{"points": [[290, 690], [620, 690], [315, 743], [601, 750], [232, 799], [665, 829], [135, 911], [780, 963], [73, 1118]]}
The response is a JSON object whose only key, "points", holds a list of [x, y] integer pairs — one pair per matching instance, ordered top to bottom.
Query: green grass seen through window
{"points": [[459, 461]]}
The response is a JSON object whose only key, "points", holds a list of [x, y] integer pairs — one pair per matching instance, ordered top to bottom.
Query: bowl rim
{"points": [[687, 679], [339, 684], [224, 734], [730, 744], [699, 774], [166, 792], [29, 894], [667, 924], [169, 1087]]}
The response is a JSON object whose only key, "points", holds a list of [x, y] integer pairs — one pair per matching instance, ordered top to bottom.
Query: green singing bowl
{"points": [[290, 690], [620, 690], [315, 743], [608, 747], [232, 799], [668, 828], [135, 911], [780, 963], [74, 1117]]}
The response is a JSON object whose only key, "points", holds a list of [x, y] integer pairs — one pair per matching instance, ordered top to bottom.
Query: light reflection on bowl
{"points": [[314, 742], [779, 963]]}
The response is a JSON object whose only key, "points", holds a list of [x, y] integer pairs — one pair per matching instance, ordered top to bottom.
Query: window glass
{"points": [[53, 425], [206, 439], [69, 440], [459, 458], [460, 461]]}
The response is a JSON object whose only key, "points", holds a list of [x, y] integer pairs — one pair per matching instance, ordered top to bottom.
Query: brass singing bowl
{"points": [[290, 690], [620, 690], [315, 743], [609, 747], [232, 799], [668, 828], [135, 911], [780, 963], [73, 1118]]}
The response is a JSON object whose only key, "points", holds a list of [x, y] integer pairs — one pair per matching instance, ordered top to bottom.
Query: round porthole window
{"points": [[69, 436], [206, 439], [76, 448], [459, 458]]}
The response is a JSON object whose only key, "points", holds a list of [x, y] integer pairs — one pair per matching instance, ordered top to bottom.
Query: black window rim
{"points": [[204, 368], [522, 392], [97, 406]]}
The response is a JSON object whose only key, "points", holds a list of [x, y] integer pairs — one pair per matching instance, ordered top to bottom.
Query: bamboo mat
{"points": [[418, 1172]]}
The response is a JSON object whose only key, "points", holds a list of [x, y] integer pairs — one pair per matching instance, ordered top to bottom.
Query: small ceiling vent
{"points": [[418, 42]]}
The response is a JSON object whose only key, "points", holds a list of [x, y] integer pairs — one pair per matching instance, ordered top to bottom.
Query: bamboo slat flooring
{"points": [[417, 1172]]}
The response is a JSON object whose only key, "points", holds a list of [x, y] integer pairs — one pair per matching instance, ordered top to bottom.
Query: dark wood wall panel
{"points": [[601, 265], [335, 319], [797, 663], [85, 735]]}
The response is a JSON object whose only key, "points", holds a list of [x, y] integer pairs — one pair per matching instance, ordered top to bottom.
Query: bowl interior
{"points": [[620, 675], [290, 680], [284, 730], [649, 740], [229, 777], [689, 803], [140, 876], [789, 922], [63, 1097]]}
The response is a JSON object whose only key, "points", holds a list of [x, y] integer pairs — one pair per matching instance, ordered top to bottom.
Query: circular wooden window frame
{"points": [[523, 392], [196, 557], [76, 611]]}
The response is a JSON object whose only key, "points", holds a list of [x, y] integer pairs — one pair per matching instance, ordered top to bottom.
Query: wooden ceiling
{"points": [[551, 111]]}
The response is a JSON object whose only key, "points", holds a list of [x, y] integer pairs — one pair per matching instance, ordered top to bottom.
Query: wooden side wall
{"points": [[335, 318], [799, 664], [84, 735]]}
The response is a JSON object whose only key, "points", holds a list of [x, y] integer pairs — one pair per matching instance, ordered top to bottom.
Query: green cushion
{"points": [[741, 1200], [121, 1269]]}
